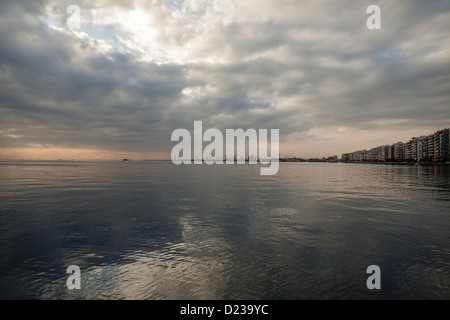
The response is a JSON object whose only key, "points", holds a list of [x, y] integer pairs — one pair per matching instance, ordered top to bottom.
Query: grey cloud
{"points": [[305, 65], [60, 91]]}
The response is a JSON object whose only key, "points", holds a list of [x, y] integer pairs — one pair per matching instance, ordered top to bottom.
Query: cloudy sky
{"points": [[137, 70]]}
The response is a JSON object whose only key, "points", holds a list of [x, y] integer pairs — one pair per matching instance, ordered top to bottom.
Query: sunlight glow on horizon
{"points": [[61, 153]]}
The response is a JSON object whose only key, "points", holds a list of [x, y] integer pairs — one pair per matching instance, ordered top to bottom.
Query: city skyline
{"points": [[113, 80], [424, 148]]}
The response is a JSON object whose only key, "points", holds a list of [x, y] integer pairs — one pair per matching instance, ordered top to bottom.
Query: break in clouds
{"points": [[137, 70]]}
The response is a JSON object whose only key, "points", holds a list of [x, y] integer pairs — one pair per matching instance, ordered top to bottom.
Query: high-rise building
{"points": [[430, 145], [441, 147], [414, 148], [422, 148], [399, 150], [408, 150], [386, 152], [373, 154]]}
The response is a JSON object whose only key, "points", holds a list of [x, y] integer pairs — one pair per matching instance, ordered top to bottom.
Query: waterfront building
{"points": [[430, 139], [441, 144], [434, 147], [413, 148], [422, 148], [408, 150], [399, 151], [389, 152], [380, 153], [384, 153], [373, 154], [357, 155], [363, 155], [345, 157]]}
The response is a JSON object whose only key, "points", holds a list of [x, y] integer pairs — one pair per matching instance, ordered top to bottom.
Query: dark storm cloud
{"points": [[292, 65]]}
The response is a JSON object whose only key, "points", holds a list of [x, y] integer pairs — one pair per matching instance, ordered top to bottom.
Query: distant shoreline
{"points": [[246, 162], [401, 163]]}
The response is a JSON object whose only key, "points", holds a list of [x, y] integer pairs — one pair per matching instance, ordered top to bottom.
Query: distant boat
{"points": [[125, 159]]}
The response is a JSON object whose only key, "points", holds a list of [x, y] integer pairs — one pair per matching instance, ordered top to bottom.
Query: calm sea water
{"points": [[153, 230]]}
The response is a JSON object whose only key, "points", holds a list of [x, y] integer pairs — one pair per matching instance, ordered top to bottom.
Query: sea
{"points": [[152, 230]]}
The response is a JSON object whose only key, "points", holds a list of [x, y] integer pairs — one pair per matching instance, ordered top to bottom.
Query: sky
{"points": [[135, 71]]}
